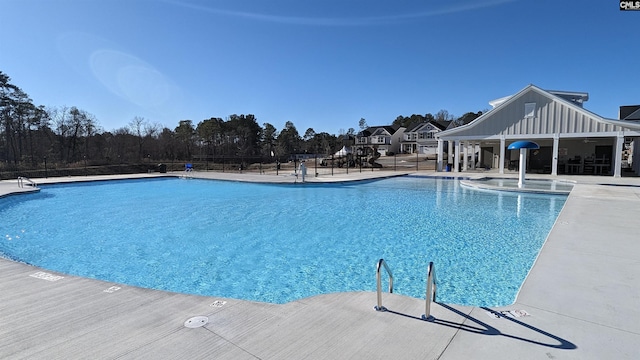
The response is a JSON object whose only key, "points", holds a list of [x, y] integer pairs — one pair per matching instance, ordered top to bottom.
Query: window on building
{"points": [[529, 110], [426, 135]]}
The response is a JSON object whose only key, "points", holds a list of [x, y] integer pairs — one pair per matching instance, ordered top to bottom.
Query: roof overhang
{"points": [[457, 132]]}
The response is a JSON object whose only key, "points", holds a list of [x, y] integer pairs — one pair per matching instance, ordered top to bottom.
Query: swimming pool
{"points": [[530, 185], [278, 243]]}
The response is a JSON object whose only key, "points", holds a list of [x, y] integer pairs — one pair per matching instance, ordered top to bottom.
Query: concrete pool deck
{"points": [[581, 295]]}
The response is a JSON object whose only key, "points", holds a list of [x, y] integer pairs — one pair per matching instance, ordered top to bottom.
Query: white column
{"points": [[450, 152], [440, 154], [465, 154], [502, 155], [554, 155], [473, 156], [456, 157], [617, 164]]}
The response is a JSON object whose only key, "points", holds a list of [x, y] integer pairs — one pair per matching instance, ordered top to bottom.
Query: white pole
{"points": [[465, 153], [554, 155], [439, 156], [501, 164], [523, 166]]}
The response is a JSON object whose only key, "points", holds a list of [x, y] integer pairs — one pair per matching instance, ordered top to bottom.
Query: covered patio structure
{"points": [[572, 140]]}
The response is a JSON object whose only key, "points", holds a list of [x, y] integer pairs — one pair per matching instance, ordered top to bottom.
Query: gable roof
{"points": [[572, 96], [577, 98], [555, 115], [418, 126], [377, 130]]}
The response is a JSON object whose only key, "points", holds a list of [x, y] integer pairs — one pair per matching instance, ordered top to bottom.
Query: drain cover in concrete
{"points": [[196, 322]]}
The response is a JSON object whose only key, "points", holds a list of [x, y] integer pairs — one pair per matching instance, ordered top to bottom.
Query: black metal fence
{"points": [[315, 166]]}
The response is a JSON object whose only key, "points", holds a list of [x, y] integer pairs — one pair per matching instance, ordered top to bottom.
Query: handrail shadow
{"points": [[486, 329]]}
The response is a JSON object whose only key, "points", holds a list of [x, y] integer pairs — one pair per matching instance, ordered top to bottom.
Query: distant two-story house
{"points": [[421, 138], [383, 139]]}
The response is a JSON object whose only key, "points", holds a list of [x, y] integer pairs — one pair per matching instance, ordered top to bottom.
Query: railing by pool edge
{"points": [[22, 179], [382, 263], [431, 292]]}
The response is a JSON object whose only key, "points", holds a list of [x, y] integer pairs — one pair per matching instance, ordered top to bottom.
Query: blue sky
{"points": [[322, 64]]}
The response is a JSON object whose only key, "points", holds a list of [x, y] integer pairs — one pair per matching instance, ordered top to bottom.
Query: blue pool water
{"points": [[278, 243]]}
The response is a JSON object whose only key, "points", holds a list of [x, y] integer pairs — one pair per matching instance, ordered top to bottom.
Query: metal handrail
{"points": [[22, 179], [379, 283], [431, 291]]}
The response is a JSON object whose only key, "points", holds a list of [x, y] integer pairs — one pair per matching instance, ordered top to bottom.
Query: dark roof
{"points": [[631, 112], [442, 125], [415, 126], [372, 129]]}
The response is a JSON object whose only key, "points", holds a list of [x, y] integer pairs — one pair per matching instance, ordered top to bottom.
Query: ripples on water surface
{"points": [[278, 243]]}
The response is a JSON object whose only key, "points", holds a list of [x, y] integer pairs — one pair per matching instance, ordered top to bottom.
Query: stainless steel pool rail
{"points": [[22, 179], [382, 263], [431, 291]]}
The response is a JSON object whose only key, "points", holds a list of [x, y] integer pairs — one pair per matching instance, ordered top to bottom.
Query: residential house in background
{"points": [[421, 138], [383, 139], [572, 140]]}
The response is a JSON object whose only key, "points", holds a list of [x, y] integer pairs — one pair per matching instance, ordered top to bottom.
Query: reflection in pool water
{"points": [[530, 185], [278, 243]]}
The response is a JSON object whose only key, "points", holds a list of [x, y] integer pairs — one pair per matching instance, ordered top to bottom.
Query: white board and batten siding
{"points": [[552, 115]]}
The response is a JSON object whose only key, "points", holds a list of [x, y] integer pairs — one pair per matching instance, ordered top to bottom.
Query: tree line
{"points": [[69, 136]]}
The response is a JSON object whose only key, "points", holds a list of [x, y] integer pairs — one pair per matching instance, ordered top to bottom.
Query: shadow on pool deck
{"points": [[581, 294]]}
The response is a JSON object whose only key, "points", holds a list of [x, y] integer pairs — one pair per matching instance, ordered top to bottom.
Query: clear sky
{"points": [[322, 64]]}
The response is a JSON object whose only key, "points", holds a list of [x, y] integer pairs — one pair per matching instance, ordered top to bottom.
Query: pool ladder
{"points": [[22, 179], [382, 263], [430, 291]]}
